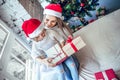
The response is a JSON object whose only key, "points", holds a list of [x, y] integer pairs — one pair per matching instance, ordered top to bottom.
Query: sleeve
{"points": [[53, 34], [65, 34], [36, 52]]}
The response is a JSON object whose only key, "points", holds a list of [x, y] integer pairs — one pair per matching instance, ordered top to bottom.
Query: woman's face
{"points": [[50, 21], [40, 36]]}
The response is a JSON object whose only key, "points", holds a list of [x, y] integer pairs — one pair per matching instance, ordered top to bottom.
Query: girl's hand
{"points": [[48, 62]]}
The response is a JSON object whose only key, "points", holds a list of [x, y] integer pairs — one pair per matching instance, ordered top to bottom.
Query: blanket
{"points": [[102, 50]]}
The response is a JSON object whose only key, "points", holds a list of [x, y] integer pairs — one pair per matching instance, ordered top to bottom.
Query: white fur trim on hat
{"points": [[53, 13], [36, 32]]}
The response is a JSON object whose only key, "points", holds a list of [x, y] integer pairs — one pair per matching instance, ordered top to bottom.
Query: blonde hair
{"points": [[61, 24]]}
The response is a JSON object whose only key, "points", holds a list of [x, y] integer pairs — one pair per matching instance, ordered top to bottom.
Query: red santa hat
{"points": [[54, 10], [31, 27]]}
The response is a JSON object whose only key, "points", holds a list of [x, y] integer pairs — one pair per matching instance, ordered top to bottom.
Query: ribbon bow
{"points": [[69, 40]]}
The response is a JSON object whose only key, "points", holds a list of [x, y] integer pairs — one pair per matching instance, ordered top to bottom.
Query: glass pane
{"points": [[3, 37], [20, 51], [16, 68]]}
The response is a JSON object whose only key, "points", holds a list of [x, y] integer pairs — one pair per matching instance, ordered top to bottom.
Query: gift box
{"points": [[73, 45], [57, 54], [106, 75]]}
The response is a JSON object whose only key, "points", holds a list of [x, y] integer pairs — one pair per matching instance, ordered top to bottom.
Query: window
{"points": [[3, 38], [20, 51], [17, 61], [16, 68]]}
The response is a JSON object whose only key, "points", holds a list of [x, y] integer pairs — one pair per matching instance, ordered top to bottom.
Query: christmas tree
{"points": [[76, 8]]}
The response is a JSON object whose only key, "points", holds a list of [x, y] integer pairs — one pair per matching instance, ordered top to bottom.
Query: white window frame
{"points": [[4, 40]]}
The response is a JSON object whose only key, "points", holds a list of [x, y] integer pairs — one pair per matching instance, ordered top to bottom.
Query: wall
{"points": [[111, 5], [33, 7]]}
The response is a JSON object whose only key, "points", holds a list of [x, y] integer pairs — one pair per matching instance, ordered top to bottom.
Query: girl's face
{"points": [[50, 21], [40, 36]]}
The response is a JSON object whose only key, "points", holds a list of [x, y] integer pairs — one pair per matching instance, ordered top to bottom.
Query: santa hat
{"points": [[54, 10], [31, 27]]}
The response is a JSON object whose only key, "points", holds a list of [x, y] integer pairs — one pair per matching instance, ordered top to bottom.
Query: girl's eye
{"points": [[47, 19], [53, 21]]}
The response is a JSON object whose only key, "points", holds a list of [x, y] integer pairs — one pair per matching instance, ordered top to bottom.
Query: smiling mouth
{"points": [[47, 27]]}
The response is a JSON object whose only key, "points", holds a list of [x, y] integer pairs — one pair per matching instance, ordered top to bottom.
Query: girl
{"points": [[42, 40]]}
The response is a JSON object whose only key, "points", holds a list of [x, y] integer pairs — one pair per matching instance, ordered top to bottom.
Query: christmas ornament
{"points": [[82, 4], [72, 12]]}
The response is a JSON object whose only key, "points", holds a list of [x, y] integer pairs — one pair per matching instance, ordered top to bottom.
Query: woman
{"points": [[53, 20]]}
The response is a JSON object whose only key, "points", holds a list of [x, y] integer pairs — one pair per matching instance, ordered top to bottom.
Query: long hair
{"points": [[61, 24]]}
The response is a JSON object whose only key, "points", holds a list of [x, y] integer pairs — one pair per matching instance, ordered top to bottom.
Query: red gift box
{"points": [[106, 75]]}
